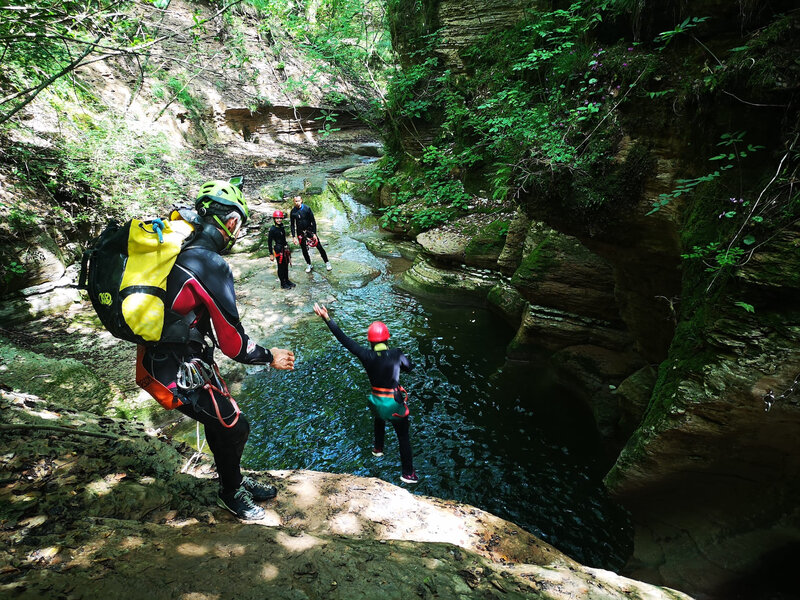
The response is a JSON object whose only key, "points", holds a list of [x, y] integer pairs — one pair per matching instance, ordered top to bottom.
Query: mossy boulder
{"points": [[485, 247], [514, 248], [560, 272], [508, 302]]}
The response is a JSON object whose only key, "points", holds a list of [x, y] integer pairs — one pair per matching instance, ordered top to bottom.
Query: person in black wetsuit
{"points": [[304, 232], [279, 249], [185, 376], [387, 399]]}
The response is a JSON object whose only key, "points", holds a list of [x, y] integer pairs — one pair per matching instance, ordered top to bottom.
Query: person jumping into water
{"points": [[387, 400]]}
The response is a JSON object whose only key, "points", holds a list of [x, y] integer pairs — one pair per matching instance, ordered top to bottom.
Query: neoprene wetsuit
{"points": [[302, 223], [277, 239], [201, 282], [383, 369]]}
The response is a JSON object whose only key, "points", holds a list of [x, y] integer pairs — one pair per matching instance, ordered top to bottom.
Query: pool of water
{"points": [[503, 437]]}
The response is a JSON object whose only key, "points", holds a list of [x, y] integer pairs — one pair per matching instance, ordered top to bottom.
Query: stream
{"points": [[500, 436]]}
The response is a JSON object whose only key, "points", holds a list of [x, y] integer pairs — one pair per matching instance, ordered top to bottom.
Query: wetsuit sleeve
{"points": [[292, 219], [312, 221], [270, 238], [209, 283], [345, 341], [405, 364]]}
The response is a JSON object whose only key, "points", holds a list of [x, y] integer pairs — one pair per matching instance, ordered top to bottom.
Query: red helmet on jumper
{"points": [[278, 214], [377, 332]]}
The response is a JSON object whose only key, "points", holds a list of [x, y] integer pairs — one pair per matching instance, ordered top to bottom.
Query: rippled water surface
{"points": [[499, 436]]}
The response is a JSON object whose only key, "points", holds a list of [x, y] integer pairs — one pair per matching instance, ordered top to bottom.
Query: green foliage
{"points": [[689, 23], [344, 40], [43, 42], [529, 109], [328, 119], [733, 153], [106, 170], [750, 214], [20, 219]]}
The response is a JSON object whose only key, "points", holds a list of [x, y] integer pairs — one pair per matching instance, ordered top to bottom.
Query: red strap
{"points": [[225, 393], [384, 393]]}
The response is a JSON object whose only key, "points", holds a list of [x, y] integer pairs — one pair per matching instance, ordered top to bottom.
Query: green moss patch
{"points": [[67, 381]]}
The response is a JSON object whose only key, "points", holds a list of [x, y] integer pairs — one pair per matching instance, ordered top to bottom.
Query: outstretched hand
{"points": [[321, 311], [282, 360]]}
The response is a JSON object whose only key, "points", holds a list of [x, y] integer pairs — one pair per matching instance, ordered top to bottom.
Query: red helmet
{"points": [[278, 214], [377, 332]]}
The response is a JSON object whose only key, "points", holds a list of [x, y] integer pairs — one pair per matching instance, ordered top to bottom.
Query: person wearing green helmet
{"points": [[221, 201], [184, 376]]}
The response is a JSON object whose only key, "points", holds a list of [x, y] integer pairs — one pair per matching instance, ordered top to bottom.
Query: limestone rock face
{"points": [[464, 23], [275, 123], [444, 245], [514, 249], [40, 261], [558, 271], [468, 285], [48, 298], [506, 300], [551, 329], [594, 372], [633, 396], [711, 477]]}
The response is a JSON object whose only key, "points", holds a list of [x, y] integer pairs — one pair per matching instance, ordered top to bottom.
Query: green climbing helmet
{"points": [[227, 194]]}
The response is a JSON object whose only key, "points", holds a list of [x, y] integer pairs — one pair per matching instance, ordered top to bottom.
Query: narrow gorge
{"points": [[581, 221]]}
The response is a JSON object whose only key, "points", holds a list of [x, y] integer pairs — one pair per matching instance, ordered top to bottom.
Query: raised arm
{"points": [[340, 335], [405, 364]]}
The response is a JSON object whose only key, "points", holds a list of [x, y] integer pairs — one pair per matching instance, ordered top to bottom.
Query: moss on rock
{"points": [[487, 244], [65, 380]]}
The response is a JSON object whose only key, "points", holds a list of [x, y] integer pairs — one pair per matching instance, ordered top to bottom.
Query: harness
{"points": [[310, 237], [285, 253], [193, 374], [196, 374], [384, 403]]}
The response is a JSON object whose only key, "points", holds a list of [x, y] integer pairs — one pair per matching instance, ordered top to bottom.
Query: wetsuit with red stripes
{"points": [[201, 283], [383, 370]]}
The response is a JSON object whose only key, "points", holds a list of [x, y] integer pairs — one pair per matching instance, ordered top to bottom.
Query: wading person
{"points": [[304, 232], [279, 250], [185, 376], [387, 400]]}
